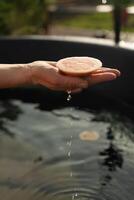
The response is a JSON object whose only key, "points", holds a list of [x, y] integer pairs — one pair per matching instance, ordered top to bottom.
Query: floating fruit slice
{"points": [[78, 66], [89, 135]]}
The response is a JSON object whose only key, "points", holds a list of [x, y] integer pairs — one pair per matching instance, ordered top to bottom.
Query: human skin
{"points": [[46, 73]]}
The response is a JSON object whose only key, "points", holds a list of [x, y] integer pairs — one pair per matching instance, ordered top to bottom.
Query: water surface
{"points": [[42, 155]]}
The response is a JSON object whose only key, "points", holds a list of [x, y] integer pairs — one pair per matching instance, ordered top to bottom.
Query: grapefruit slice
{"points": [[78, 66], [89, 135]]}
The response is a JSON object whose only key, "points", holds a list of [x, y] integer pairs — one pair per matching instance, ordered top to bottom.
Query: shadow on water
{"points": [[8, 111], [112, 157]]}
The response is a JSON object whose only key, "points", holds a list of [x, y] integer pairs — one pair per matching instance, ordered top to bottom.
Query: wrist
{"points": [[30, 71], [34, 73]]}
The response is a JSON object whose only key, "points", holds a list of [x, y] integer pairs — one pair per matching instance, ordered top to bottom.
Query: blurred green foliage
{"points": [[120, 2], [23, 16], [18, 17], [94, 21]]}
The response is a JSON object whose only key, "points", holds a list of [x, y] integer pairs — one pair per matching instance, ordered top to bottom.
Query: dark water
{"points": [[42, 155]]}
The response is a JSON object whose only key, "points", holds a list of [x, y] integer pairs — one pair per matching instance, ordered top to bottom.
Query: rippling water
{"points": [[43, 156]]}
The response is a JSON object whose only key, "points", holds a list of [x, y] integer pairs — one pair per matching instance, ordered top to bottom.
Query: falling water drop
{"points": [[104, 1], [69, 95], [69, 143], [69, 154], [71, 174], [74, 196]]}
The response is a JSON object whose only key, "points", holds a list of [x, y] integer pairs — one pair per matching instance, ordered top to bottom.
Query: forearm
{"points": [[12, 75]]}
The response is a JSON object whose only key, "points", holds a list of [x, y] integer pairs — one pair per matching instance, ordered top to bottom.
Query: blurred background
{"points": [[110, 19]]}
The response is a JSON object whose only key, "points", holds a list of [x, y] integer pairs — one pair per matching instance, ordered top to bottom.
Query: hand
{"points": [[47, 74], [102, 75]]}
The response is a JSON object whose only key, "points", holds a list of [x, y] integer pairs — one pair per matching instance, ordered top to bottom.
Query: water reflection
{"points": [[8, 111], [112, 157], [48, 160]]}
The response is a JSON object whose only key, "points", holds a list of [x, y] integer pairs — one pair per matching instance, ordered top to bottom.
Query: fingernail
{"points": [[117, 72]]}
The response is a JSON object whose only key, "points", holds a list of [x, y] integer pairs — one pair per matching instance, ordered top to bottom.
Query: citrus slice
{"points": [[78, 66], [89, 135]]}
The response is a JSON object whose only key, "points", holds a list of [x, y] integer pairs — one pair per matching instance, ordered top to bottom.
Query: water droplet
{"points": [[104, 1], [69, 95], [69, 143], [69, 154], [71, 174], [74, 196]]}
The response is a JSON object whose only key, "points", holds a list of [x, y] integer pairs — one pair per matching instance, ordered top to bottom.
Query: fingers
{"points": [[103, 69], [106, 69], [101, 77], [77, 84]]}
